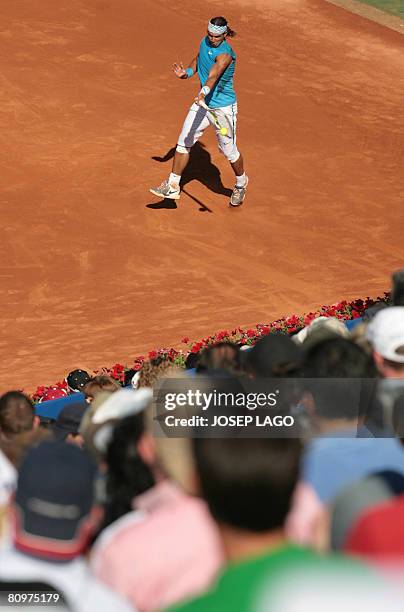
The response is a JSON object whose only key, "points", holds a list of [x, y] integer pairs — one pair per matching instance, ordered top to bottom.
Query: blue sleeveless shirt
{"points": [[222, 93]]}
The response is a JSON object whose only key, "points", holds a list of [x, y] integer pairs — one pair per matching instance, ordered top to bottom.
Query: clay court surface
{"points": [[94, 269]]}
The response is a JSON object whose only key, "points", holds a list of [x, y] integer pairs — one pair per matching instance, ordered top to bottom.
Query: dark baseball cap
{"points": [[274, 355], [77, 379], [68, 420], [55, 494]]}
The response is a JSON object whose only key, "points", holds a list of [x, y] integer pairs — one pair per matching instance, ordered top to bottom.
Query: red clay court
{"points": [[91, 273]]}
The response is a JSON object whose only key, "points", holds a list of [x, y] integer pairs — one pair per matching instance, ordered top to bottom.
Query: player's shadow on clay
{"points": [[200, 168]]}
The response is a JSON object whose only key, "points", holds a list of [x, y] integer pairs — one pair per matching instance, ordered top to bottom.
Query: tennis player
{"points": [[215, 65]]}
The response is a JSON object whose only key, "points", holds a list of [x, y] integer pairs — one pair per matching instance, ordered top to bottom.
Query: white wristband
{"points": [[205, 90]]}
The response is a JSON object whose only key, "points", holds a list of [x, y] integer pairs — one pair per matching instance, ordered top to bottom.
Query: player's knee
{"points": [[181, 149], [230, 152], [233, 157]]}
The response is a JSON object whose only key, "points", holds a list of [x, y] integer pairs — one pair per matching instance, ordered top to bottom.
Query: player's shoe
{"points": [[166, 190], [238, 195]]}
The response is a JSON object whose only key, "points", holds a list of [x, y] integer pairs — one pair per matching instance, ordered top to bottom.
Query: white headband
{"points": [[215, 29]]}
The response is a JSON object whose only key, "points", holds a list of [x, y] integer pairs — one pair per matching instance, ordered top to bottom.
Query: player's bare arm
{"points": [[222, 62]]}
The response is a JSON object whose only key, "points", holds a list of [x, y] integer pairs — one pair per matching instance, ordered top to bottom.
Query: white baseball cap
{"points": [[386, 333], [123, 403]]}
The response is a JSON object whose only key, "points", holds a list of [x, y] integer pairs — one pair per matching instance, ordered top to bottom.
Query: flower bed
{"points": [[288, 325]]}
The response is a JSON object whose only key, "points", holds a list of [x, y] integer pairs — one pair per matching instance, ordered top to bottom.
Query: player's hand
{"points": [[179, 70], [200, 98]]}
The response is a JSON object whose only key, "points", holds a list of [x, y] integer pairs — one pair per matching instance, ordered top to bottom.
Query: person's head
{"points": [[218, 30], [372, 311], [319, 330], [386, 335], [360, 337], [274, 355], [221, 356], [339, 358], [191, 361], [155, 369], [76, 379], [99, 384], [106, 410], [17, 414], [67, 425], [15, 448], [130, 459], [248, 483], [54, 512]]}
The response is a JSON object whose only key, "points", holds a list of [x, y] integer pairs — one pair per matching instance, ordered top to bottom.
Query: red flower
{"points": [[309, 318], [251, 333], [222, 335], [185, 340], [197, 347], [152, 354], [118, 372], [62, 385]]}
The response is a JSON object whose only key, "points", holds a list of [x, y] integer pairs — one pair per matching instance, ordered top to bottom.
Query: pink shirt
{"points": [[304, 515], [165, 551]]}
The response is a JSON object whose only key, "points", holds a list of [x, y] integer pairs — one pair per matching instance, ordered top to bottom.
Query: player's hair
{"points": [[221, 21]]}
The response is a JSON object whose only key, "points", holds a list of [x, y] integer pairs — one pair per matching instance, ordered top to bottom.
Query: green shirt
{"points": [[240, 584]]}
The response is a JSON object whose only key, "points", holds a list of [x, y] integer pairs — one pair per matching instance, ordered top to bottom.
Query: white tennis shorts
{"points": [[198, 119]]}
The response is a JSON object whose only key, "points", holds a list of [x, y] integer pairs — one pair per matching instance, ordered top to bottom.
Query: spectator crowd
{"points": [[100, 512]]}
